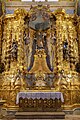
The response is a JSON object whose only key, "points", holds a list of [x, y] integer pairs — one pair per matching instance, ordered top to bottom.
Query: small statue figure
{"points": [[39, 38], [26, 39], [54, 40], [14, 50], [65, 50], [40, 79], [19, 80]]}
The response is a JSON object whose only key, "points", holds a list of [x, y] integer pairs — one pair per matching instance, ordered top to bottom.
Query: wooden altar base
{"points": [[40, 115]]}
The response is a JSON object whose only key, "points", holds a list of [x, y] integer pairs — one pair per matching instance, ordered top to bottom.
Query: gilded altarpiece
{"points": [[40, 51]]}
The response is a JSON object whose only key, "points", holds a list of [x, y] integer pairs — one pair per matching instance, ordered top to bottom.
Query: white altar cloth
{"points": [[38, 95]]}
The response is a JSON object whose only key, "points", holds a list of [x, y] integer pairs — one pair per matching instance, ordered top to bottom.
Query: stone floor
{"points": [[74, 116], [67, 117]]}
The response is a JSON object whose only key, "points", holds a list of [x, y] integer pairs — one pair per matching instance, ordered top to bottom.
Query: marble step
{"points": [[40, 115], [39, 119]]}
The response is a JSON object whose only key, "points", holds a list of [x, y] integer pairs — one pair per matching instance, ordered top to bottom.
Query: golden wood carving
{"points": [[16, 61]]}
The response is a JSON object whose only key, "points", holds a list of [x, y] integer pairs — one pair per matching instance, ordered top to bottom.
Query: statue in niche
{"points": [[39, 28], [26, 39], [39, 39], [53, 39], [14, 50], [65, 50], [19, 80]]}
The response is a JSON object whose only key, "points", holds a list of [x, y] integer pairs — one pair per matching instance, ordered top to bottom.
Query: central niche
{"points": [[40, 38]]}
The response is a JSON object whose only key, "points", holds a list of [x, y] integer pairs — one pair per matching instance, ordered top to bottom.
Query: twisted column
{"points": [[78, 30], [72, 35], [7, 40], [59, 44], [21, 46], [59, 47]]}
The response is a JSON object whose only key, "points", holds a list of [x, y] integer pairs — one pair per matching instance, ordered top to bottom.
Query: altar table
{"points": [[40, 100]]}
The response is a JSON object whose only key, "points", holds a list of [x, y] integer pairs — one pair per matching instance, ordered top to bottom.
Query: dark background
{"points": [[1, 9], [78, 11]]}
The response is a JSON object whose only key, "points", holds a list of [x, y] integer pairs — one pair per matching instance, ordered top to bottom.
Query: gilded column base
{"points": [[70, 107], [13, 108]]}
